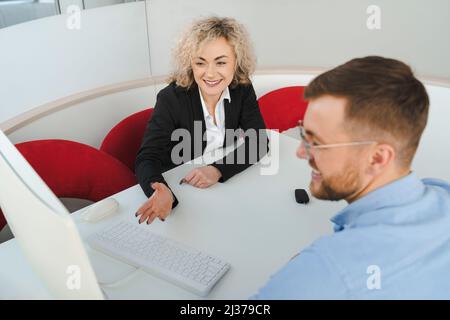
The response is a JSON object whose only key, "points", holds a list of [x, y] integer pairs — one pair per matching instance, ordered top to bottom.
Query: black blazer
{"points": [[177, 107]]}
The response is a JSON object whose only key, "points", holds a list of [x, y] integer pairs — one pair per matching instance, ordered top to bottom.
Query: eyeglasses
{"points": [[310, 148]]}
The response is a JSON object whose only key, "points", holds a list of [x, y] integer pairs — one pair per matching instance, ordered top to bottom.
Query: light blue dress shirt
{"points": [[393, 243]]}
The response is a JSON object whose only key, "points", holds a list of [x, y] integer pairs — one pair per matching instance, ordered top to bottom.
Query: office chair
{"points": [[283, 108], [124, 140], [75, 170], [2, 220]]}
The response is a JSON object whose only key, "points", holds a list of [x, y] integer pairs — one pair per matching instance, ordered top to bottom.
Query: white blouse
{"points": [[215, 133]]}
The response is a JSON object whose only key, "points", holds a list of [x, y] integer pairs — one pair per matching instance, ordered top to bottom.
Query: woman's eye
{"points": [[221, 63], [199, 64]]}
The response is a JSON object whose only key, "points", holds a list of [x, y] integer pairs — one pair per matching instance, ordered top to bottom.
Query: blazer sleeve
{"points": [[250, 118], [156, 141]]}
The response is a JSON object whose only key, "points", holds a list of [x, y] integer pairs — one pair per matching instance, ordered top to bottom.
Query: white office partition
{"points": [[320, 33], [44, 60], [266, 82], [89, 121], [433, 155]]}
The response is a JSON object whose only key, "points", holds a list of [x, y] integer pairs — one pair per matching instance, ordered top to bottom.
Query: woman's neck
{"points": [[210, 101]]}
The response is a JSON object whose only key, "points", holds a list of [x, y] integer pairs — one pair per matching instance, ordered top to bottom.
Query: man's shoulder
{"points": [[438, 184], [435, 201], [349, 252], [303, 277]]}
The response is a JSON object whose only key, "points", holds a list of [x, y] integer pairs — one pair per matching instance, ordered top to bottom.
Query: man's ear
{"points": [[381, 157]]}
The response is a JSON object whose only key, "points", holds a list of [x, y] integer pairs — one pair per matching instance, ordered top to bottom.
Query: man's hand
{"points": [[203, 177], [158, 205]]}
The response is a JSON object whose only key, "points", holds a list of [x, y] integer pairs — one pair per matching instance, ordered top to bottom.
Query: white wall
{"points": [[319, 33], [43, 60], [433, 155]]}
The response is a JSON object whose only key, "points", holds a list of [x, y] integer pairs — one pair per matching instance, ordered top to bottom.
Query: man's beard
{"points": [[337, 187]]}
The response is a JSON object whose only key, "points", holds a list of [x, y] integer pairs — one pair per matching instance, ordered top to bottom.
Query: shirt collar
{"points": [[225, 95], [362, 211]]}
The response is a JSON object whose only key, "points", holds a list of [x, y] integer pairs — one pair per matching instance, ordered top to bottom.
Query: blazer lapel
{"points": [[197, 111]]}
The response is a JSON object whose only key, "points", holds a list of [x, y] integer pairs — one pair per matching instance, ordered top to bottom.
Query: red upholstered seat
{"points": [[283, 108], [124, 139], [76, 170], [2, 220]]}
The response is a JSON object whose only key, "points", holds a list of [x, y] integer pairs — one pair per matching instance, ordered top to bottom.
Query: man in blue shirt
{"points": [[359, 135]]}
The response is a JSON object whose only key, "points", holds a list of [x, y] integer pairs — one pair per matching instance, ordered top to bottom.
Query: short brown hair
{"points": [[207, 29], [383, 98]]}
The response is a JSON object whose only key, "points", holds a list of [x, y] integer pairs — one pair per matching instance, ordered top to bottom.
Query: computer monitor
{"points": [[44, 229]]}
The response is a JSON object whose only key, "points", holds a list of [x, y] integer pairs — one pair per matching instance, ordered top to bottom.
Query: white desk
{"points": [[252, 221], [257, 226]]}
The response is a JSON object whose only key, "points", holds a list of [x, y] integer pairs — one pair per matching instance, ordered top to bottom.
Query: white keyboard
{"points": [[184, 266]]}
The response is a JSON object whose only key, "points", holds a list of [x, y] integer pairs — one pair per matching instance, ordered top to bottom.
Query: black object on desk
{"points": [[301, 196]]}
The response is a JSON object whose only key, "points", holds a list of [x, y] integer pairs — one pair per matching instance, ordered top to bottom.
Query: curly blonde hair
{"points": [[203, 31]]}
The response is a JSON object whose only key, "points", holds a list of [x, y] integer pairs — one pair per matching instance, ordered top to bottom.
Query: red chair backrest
{"points": [[283, 108], [125, 138], [75, 170], [2, 220]]}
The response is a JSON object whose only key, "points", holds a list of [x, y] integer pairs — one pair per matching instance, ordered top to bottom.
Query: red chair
{"points": [[283, 108], [124, 140], [75, 170], [2, 220]]}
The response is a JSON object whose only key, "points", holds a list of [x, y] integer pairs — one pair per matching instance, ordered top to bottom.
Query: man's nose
{"points": [[301, 151]]}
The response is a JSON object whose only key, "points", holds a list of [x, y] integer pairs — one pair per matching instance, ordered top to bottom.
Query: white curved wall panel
{"points": [[320, 33], [43, 60], [268, 82], [89, 121], [433, 155]]}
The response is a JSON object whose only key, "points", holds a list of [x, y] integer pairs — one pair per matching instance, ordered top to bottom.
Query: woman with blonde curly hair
{"points": [[210, 89]]}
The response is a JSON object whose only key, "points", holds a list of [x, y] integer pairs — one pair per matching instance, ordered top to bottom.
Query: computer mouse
{"points": [[301, 196], [101, 210]]}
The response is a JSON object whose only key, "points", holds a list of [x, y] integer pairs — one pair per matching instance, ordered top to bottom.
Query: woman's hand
{"points": [[203, 177], [158, 205]]}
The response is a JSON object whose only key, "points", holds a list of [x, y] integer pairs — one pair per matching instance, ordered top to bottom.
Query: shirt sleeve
{"points": [[256, 143], [306, 276]]}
